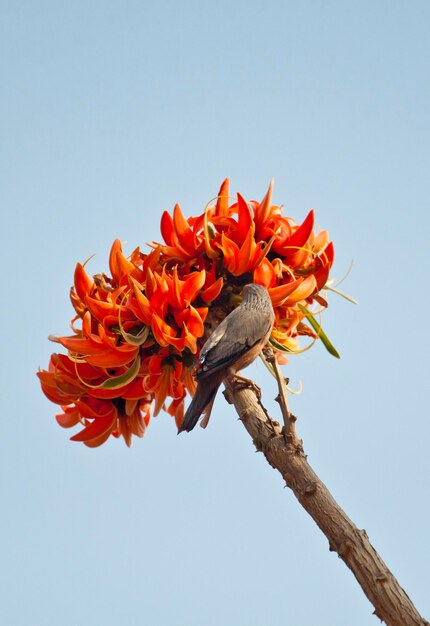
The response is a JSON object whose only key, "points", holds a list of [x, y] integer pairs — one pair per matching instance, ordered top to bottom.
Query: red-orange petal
{"points": [[221, 207], [262, 212], [245, 222], [167, 228], [183, 231], [301, 235], [230, 251], [210, 252], [246, 254], [327, 255], [113, 260], [151, 260], [127, 268], [264, 274], [83, 283], [192, 286], [303, 291], [212, 292], [279, 294], [144, 308], [99, 309], [194, 323], [162, 331], [81, 345], [112, 358], [90, 408], [69, 418], [99, 427], [98, 441]]}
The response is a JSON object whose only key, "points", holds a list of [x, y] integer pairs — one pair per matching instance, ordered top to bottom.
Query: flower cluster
{"points": [[137, 333]]}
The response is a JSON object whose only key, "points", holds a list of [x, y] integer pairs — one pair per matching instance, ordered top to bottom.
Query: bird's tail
{"points": [[203, 399]]}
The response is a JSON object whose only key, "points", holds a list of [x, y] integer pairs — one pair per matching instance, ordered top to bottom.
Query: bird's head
{"points": [[254, 291], [257, 297]]}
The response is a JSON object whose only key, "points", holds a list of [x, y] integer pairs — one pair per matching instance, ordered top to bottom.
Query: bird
{"points": [[233, 345]]}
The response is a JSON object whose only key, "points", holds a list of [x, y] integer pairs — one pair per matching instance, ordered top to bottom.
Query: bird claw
{"points": [[267, 352], [240, 382]]}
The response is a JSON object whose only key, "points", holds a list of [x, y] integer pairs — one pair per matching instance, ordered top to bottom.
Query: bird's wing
{"points": [[238, 333], [215, 337]]}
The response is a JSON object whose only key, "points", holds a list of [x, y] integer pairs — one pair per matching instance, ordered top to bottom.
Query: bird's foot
{"points": [[240, 382]]}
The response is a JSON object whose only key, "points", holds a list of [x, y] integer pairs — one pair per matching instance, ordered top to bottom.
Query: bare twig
{"points": [[289, 430], [284, 452]]}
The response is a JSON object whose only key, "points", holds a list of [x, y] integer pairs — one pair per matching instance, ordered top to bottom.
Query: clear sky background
{"points": [[110, 113]]}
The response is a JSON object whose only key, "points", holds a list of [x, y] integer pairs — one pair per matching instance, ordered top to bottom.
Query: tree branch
{"points": [[284, 452]]}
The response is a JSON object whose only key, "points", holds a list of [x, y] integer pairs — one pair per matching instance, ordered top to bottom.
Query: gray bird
{"points": [[233, 345]]}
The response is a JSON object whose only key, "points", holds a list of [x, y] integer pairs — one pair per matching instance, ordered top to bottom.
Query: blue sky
{"points": [[110, 114]]}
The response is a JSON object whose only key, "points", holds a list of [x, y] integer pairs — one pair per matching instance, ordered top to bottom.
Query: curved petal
{"points": [[221, 207], [262, 211], [245, 221], [166, 227], [300, 236], [264, 274], [83, 283], [192, 286], [303, 291], [210, 293], [279, 294], [69, 418], [98, 428]]}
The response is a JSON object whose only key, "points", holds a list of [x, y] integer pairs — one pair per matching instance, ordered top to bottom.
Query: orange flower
{"points": [[170, 299], [137, 332]]}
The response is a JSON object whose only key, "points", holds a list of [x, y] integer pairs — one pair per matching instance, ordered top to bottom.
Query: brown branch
{"points": [[284, 452]]}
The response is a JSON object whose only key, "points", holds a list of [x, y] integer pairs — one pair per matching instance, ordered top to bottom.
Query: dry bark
{"points": [[284, 452]]}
